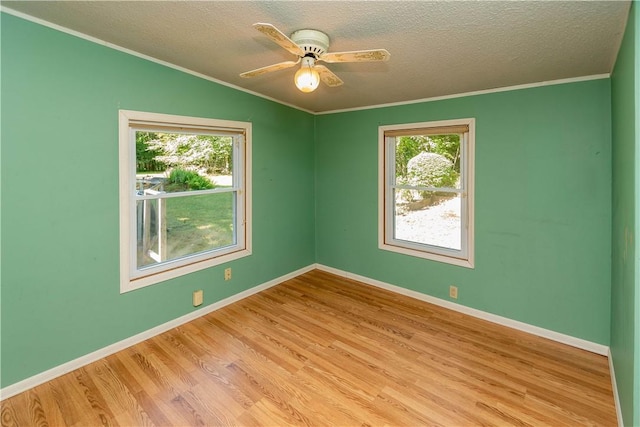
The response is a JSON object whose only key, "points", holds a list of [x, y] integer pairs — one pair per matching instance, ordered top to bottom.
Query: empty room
{"points": [[349, 213]]}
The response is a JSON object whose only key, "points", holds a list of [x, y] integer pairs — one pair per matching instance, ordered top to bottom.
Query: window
{"points": [[426, 190], [185, 195]]}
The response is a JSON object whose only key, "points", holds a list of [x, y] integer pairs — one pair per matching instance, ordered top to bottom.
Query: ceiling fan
{"points": [[310, 46]]}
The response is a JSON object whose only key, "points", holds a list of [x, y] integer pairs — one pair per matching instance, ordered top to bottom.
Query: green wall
{"points": [[543, 200], [543, 205], [60, 262], [625, 278]]}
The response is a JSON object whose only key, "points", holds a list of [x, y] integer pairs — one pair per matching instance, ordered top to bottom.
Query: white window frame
{"points": [[386, 203], [130, 277]]}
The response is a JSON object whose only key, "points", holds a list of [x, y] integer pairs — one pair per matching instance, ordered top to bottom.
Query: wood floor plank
{"points": [[322, 350], [115, 393], [69, 397], [98, 404], [150, 406], [50, 407], [35, 414], [9, 417]]}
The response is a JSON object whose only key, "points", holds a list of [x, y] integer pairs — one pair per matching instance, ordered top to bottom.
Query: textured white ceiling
{"points": [[437, 48]]}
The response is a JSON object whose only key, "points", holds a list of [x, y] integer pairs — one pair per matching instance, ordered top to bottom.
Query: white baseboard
{"points": [[494, 318], [74, 364], [67, 367], [614, 386]]}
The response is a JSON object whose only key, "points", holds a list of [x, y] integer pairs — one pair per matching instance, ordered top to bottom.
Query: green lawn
{"points": [[195, 224]]}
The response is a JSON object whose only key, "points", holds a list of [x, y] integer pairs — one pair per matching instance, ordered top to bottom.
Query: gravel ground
{"points": [[437, 225]]}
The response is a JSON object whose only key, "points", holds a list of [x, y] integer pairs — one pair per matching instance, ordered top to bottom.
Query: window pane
{"points": [[428, 161], [175, 162], [432, 221], [172, 228]]}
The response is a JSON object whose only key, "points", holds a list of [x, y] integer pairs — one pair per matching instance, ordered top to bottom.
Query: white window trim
{"points": [[127, 159], [413, 249]]}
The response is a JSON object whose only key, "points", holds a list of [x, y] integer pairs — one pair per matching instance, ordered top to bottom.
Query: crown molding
{"points": [[104, 43], [473, 93]]}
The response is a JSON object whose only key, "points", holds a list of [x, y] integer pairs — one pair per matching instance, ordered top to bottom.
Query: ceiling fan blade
{"points": [[278, 36], [356, 56], [270, 68], [327, 76]]}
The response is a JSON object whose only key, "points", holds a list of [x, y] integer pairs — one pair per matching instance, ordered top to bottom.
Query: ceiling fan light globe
{"points": [[307, 79]]}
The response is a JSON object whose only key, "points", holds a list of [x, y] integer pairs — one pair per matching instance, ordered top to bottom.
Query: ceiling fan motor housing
{"points": [[313, 42]]}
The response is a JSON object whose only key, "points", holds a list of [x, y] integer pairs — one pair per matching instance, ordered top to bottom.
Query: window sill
{"points": [[460, 262], [127, 284]]}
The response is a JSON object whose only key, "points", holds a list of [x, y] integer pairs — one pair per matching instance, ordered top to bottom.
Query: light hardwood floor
{"points": [[321, 350]]}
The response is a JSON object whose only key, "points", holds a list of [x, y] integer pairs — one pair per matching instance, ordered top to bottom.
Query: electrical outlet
{"points": [[227, 273], [453, 292], [198, 297]]}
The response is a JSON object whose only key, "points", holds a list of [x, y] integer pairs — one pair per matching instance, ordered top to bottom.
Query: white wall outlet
{"points": [[227, 273], [453, 292], [198, 297]]}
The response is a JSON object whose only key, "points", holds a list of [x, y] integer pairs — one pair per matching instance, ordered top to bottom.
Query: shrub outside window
{"points": [[426, 190], [184, 195]]}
